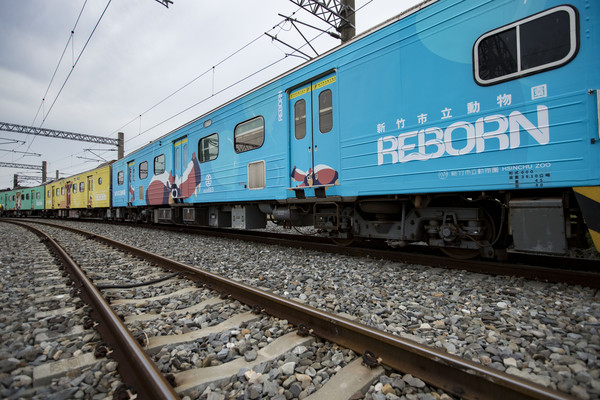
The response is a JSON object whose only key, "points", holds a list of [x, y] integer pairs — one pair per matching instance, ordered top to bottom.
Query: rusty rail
{"points": [[136, 368], [453, 374]]}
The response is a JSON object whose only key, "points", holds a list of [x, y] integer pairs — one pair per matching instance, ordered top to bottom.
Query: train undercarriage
{"points": [[462, 225]]}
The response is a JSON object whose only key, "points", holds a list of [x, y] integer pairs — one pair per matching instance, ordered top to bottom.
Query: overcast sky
{"points": [[139, 54]]}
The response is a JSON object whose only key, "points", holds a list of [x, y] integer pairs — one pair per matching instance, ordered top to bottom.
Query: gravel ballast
{"points": [[547, 333]]}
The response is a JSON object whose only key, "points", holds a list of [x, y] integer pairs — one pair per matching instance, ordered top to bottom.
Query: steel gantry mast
{"points": [[340, 14], [32, 130]]}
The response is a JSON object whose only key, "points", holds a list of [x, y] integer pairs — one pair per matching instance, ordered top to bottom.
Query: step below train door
{"points": [[314, 141]]}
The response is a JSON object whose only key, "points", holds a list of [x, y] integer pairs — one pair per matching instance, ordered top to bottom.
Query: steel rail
{"points": [[572, 271], [136, 368], [450, 373]]}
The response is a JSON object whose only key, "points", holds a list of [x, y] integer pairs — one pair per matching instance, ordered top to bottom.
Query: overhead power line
{"points": [[164, 2], [59, 62], [75, 63]]}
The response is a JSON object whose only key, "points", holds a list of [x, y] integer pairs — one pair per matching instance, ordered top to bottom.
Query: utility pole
{"points": [[348, 26], [121, 145], [44, 169]]}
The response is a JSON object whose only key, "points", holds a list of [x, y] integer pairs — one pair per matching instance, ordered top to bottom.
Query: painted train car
{"points": [[465, 124], [87, 194], [23, 201]]}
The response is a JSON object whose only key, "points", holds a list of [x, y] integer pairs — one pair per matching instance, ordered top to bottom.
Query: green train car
{"points": [[23, 201]]}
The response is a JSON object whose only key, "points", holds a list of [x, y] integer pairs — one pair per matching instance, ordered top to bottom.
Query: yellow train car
{"points": [[81, 195]]}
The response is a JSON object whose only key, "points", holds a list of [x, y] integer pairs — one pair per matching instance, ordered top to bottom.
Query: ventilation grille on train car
{"points": [[256, 175]]}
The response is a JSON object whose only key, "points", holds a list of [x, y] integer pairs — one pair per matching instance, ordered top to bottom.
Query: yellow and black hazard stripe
{"points": [[589, 203]]}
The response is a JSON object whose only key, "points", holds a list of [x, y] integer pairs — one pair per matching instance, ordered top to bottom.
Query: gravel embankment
{"points": [[32, 289], [547, 333]]}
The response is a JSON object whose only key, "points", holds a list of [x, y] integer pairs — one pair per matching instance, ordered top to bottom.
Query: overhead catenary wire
{"points": [[70, 39], [76, 61], [72, 68], [212, 69], [209, 70]]}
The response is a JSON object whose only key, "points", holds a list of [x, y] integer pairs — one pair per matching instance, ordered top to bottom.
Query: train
{"points": [[468, 126]]}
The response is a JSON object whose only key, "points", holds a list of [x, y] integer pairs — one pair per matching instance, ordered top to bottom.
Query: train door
{"points": [[314, 132], [180, 159], [130, 182], [68, 189], [89, 190]]}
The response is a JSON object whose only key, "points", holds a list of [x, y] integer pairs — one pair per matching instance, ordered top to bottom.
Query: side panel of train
{"points": [[433, 107], [463, 124], [238, 154], [85, 194], [23, 201]]}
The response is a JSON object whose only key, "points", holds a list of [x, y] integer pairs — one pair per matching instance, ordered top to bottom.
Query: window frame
{"points": [[573, 40], [325, 111], [300, 120], [201, 150], [239, 150], [164, 164], [143, 167], [120, 178], [81, 187]]}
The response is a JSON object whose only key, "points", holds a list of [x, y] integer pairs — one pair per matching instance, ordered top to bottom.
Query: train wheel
{"points": [[344, 242], [460, 254], [466, 254]]}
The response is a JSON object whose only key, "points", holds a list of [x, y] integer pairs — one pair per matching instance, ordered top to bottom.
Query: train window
{"points": [[543, 41], [325, 111], [300, 119], [249, 135], [208, 148], [159, 164], [143, 170], [120, 178], [99, 181], [82, 186], [74, 187], [57, 191], [62, 191], [49, 193], [37, 195], [26, 196]]}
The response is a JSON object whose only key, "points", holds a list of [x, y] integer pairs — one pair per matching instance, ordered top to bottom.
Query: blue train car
{"points": [[472, 126]]}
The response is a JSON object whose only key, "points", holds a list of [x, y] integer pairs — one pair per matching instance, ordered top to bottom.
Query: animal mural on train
{"points": [[469, 126], [169, 189]]}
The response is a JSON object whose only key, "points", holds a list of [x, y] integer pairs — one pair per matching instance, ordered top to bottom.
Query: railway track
{"points": [[545, 268], [445, 371]]}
